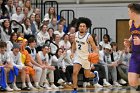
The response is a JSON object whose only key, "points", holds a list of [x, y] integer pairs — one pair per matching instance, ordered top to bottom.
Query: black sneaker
{"points": [[26, 88], [138, 88]]}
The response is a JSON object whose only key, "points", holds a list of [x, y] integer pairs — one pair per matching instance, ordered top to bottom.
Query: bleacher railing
{"points": [[69, 15], [15, 22], [99, 31]]}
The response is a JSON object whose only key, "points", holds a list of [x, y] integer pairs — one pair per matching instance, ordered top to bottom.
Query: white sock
{"points": [[104, 80], [30, 84], [36, 84], [23, 85]]}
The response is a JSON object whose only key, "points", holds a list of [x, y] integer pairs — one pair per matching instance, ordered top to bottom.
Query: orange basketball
{"points": [[93, 58]]}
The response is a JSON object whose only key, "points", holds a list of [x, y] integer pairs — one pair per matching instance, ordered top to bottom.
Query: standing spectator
{"points": [[29, 6], [50, 14], [5, 30], [43, 35]]}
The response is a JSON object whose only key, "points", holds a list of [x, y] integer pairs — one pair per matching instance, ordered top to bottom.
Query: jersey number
{"points": [[79, 46]]}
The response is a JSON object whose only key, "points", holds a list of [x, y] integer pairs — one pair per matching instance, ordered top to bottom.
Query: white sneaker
{"points": [[60, 81], [121, 81], [85, 84], [88, 84], [106, 84], [117, 84], [98, 85], [46, 86], [54, 87], [61, 87], [8, 88], [16, 88], [32, 88]]}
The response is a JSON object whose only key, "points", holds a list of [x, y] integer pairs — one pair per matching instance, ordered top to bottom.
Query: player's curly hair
{"points": [[85, 20]]}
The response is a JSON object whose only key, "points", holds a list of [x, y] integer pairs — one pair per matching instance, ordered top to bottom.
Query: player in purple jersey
{"points": [[134, 40]]}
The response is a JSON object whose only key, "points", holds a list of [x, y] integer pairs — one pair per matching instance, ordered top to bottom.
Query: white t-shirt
{"points": [[42, 37], [4, 58], [16, 60]]}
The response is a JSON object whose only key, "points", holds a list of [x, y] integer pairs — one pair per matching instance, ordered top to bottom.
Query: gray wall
{"points": [[102, 15]]}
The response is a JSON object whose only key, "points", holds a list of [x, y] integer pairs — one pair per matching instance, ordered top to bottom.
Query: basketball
{"points": [[93, 58]]}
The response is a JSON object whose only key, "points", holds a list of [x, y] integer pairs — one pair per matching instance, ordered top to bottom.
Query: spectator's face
{"points": [[10, 2], [28, 3], [18, 10], [26, 10], [52, 10], [37, 11], [33, 18], [37, 18], [54, 21], [27, 22], [7, 23], [60, 27], [82, 28], [44, 29], [72, 30], [50, 31], [14, 37], [72, 37], [57, 38], [66, 38], [106, 39], [20, 43], [33, 44], [45, 49], [2, 50], [16, 51], [60, 51], [107, 51]]}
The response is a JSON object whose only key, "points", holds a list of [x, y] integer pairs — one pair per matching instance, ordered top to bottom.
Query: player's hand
{"points": [[136, 40], [126, 43], [72, 56]]}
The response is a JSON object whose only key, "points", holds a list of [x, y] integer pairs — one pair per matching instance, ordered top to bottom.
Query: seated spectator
{"points": [[53, 24], [59, 30], [13, 39], [106, 40], [107, 60], [16, 61], [123, 63], [6, 66], [50, 69]]}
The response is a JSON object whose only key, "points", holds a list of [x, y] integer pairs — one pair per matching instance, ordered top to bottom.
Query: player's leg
{"points": [[76, 69], [133, 79]]}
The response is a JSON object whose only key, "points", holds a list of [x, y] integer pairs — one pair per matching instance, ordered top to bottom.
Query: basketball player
{"points": [[80, 49], [134, 65]]}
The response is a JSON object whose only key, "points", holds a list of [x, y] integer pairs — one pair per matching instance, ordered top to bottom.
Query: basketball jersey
{"points": [[135, 32], [82, 45]]}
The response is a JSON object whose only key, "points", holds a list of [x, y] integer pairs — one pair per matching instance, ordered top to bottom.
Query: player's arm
{"points": [[127, 41], [92, 43], [73, 49]]}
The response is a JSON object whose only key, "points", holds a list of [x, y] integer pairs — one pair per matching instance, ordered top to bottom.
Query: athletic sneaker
{"points": [[96, 78], [138, 88], [74, 91]]}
